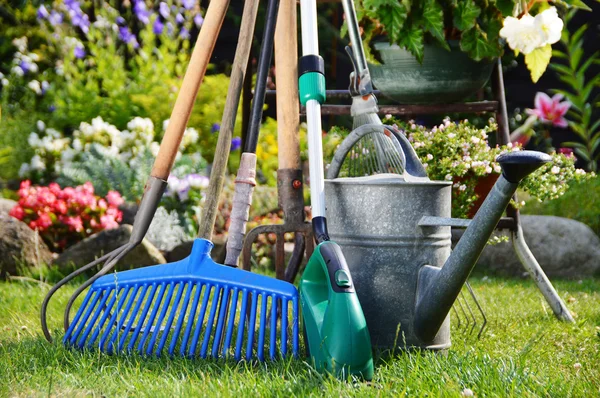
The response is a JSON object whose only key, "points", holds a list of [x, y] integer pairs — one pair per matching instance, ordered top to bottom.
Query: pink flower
{"points": [[550, 110], [568, 152], [87, 187], [55, 189], [114, 198], [102, 204], [61, 207], [17, 212], [44, 221], [108, 222], [74, 223]]}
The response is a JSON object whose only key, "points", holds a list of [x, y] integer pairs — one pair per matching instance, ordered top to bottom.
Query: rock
{"points": [[6, 205], [129, 211], [104, 242], [20, 246], [564, 248], [184, 249]]}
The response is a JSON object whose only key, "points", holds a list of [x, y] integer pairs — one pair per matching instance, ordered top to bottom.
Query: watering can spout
{"points": [[438, 288]]}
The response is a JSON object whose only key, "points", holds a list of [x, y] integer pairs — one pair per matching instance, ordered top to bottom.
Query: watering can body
{"points": [[376, 222]]}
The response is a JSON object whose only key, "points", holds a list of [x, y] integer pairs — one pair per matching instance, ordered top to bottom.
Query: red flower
{"points": [[550, 110], [114, 198], [17, 212]]}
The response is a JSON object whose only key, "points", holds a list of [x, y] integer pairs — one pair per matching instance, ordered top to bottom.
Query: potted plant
{"points": [[443, 50]]}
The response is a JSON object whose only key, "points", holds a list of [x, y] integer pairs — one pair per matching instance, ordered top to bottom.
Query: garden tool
{"points": [[169, 146], [373, 152], [289, 175], [405, 273], [147, 312], [334, 324]]}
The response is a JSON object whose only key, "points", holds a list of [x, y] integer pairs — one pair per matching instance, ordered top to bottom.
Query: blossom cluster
{"points": [[527, 33], [24, 63], [65, 216]]}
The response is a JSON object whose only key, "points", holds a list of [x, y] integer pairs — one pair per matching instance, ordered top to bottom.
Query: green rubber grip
{"points": [[311, 86]]}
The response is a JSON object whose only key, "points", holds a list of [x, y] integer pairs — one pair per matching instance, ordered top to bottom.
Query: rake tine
{"points": [[113, 293], [223, 304], [174, 308], [463, 311], [481, 311], [470, 312], [115, 314], [457, 316], [132, 317], [142, 317], [181, 318], [191, 318], [121, 320], [211, 320], [200, 321], [230, 322], [150, 323], [284, 325], [90, 326], [251, 326], [261, 329], [155, 330], [240, 331], [68, 335], [273, 337], [295, 342]]}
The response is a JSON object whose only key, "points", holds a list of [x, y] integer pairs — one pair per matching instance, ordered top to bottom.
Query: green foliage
{"points": [[413, 23], [574, 71], [580, 203]]}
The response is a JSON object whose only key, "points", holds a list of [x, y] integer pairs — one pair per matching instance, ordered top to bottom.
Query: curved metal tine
{"points": [[293, 265], [463, 311], [481, 311], [470, 312], [457, 316]]}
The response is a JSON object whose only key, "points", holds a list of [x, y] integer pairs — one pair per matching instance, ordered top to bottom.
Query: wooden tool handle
{"points": [[286, 64], [189, 88]]}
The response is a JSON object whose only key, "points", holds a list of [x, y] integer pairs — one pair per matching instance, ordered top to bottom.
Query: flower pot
{"points": [[444, 77], [484, 185]]}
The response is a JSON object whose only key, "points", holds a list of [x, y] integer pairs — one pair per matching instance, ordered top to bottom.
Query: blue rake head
{"points": [[194, 307]]}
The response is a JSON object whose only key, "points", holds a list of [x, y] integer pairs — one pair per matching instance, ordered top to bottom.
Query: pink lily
{"points": [[550, 110]]}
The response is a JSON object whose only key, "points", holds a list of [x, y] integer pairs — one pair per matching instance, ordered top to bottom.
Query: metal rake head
{"points": [[192, 308]]}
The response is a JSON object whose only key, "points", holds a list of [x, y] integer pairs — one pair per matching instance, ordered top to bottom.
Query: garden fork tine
{"points": [[163, 163]]}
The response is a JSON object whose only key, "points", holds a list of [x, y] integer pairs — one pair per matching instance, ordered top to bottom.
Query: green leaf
{"points": [[578, 4], [506, 7], [391, 13], [465, 15], [433, 21], [412, 39], [476, 44], [537, 61]]}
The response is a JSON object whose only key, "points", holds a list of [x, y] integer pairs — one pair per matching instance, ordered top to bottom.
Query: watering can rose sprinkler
{"points": [[395, 232]]}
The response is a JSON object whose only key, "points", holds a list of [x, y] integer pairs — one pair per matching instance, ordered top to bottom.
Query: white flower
{"points": [[549, 25], [522, 34], [20, 43], [17, 71], [5, 82], [45, 85], [35, 86], [388, 116], [165, 124], [41, 125], [451, 135], [190, 137], [33, 140], [475, 140], [77, 145], [154, 147], [429, 156], [37, 163], [425, 165], [497, 168], [488, 169], [24, 170], [555, 170], [580, 172], [448, 177], [462, 187]]}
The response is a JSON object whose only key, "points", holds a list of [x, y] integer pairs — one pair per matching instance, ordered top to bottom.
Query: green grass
{"points": [[524, 352]]}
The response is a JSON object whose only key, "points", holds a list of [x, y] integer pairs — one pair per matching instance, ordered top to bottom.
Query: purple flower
{"points": [[188, 4], [163, 9], [141, 12], [42, 13], [55, 18], [179, 18], [79, 19], [120, 20], [198, 20], [158, 27], [169, 27], [184, 34], [128, 37], [79, 52], [25, 66], [45, 87], [51, 108], [215, 127], [236, 143], [197, 181]]}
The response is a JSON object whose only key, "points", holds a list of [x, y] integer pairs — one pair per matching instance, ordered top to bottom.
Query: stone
{"points": [[6, 205], [129, 211], [104, 242], [20, 246], [563, 247], [184, 249]]}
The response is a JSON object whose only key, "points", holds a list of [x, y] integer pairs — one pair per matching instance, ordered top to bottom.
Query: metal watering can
{"points": [[394, 231]]}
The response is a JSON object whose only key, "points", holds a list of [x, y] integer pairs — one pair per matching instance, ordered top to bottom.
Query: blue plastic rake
{"points": [[142, 310]]}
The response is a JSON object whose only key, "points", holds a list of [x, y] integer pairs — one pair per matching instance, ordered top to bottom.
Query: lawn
{"points": [[524, 351]]}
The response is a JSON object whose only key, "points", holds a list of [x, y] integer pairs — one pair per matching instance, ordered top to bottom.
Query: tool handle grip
{"points": [[189, 88]]}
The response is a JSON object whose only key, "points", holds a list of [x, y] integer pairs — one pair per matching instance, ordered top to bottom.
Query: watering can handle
{"points": [[412, 165]]}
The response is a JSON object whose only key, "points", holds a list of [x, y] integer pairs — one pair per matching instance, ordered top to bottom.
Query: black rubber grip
{"points": [[311, 63], [518, 165], [319, 227], [335, 261]]}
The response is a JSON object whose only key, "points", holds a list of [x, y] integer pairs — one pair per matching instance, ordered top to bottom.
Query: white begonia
{"points": [[549, 25], [522, 34], [20, 43], [5, 82], [35, 86], [41, 125], [53, 133], [451, 135], [190, 137], [34, 140], [475, 140], [77, 145], [154, 147], [429, 156], [37, 163], [497, 168], [488, 170], [555, 170], [580, 172], [448, 177], [462, 187]]}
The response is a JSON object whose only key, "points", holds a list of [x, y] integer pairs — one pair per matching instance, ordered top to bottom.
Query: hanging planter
{"points": [[443, 77]]}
